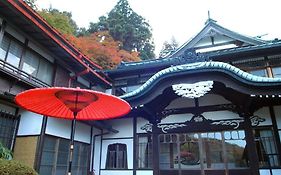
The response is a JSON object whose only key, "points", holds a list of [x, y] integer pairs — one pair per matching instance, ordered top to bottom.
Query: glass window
{"points": [[4, 47], [15, 51], [30, 63], [45, 71], [276, 71], [260, 72], [7, 128], [266, 147], [144, 152], [116, 156], [55, 157]]}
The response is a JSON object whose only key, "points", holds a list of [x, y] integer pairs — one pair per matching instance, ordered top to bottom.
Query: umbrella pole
{"points": [[73, 125]]}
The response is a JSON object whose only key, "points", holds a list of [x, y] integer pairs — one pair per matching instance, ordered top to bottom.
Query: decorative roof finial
{"points": [[209, 18]]}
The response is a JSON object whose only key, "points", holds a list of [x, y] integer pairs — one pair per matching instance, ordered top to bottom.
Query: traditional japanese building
{"points": [[211, 107]]}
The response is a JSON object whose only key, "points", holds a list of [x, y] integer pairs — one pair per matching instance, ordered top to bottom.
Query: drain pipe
{"points": [[93, 140]]}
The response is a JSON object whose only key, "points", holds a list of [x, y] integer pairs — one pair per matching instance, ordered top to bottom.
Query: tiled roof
{"points": [[172, 60], [211, 65]]}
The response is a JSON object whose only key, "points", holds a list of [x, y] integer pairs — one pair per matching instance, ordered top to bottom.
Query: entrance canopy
{"points": [[223, 79]]}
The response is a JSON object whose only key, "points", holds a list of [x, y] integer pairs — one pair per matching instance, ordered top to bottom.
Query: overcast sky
{"points": [[183, 19]]}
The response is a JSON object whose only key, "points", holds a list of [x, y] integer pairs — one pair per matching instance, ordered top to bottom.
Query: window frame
{"points": [[117, 147]]}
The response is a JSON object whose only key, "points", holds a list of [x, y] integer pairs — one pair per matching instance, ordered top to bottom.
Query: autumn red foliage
{"points": [[102, 49]]}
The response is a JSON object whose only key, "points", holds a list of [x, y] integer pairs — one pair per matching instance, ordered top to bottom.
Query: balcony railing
{"points": [[21, 75]]}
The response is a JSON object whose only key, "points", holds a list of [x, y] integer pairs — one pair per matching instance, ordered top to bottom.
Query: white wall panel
{"points": [[212, 99], [181, 103], [277, 110], [264, 113], [220, 115], [177, 118], [30, 123], [140, 123], [124, 126], [62, 128], [128, 142], [97, 153], [276, 171], [116, 172], [144, 172], [265, 172]]}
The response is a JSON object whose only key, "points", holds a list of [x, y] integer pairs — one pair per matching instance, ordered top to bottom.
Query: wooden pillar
{"points": [[275, 131], [135, 141], [40, 144], [251, 147], [155, 149]]}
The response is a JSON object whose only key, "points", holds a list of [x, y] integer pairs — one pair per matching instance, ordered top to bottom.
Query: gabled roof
{"points": [[19, 13], [214, 35], [233, 53]]}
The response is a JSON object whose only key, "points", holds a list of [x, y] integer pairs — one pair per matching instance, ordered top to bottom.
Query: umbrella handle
{"points": [[71, 149]]}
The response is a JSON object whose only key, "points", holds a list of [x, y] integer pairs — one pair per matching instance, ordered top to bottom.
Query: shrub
{"points": [[5, 153], [11, 167]]}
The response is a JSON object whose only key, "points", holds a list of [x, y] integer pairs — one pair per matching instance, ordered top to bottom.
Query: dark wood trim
{"points": [[2, 31], [24, 50], [201, 109], [18, 117], [275, 130], [118, 138], [101, 140], [135, 143], [40, 144], [251, 147], [155, 150], [92, 151], [116, 169]]}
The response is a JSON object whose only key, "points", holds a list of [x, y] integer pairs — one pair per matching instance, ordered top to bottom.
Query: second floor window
{"points": [[12, 52], [276, 71], [259, 72]]}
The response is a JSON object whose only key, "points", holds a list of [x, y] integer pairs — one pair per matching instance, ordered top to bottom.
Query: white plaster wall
{"points": [[14, 33], [40, 50], [108, 91], [212, 99], [181, 103], [7, 108], [277, 110], [264, 113], [220, 115], [177, 118], [30, 123], [140, 123], [124, 126], [62, 128], [128, 142], [97, 153], [276, 171], [116, 172], [144, 172], [265, 172]]}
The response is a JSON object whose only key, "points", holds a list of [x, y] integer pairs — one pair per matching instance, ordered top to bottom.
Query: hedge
{"points": [[12, 167]]}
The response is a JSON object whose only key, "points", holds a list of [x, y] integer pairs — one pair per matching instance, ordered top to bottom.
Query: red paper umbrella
{"points": [[74, 104]]}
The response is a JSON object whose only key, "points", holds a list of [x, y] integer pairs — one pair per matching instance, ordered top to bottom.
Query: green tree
{"points": [[31, 3], [62, 21], [129, 28], [168, 47]]}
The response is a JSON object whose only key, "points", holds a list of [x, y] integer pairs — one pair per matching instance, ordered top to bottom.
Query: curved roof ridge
{"points": [[203, 65]]}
